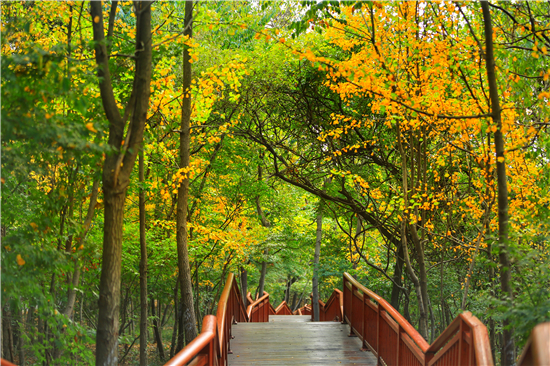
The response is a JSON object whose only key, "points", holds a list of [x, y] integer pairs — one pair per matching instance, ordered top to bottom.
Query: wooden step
{"points": [[295, 340]]}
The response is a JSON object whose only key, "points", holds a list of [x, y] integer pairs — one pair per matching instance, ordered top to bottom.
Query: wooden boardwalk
{"points": [[295, 340]]}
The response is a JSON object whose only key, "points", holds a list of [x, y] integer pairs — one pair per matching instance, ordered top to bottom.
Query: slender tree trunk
{"points": [[118, 166], [265, 223], [142, 270], [397, 274], [315, 280], [289, 283], [244, 285], [261, 285], [71, 293], [294, 296], [81, 307], [188, 311], [423, 328], [158, 338], [7, 341], [20, 341], [173, 344], [508, 344]]}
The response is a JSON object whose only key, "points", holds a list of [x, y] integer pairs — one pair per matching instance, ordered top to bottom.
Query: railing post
{"points": [[344, 297], [378, 311], [351, 314], [363, 328], [460, 340], [398, 342], [211, 352]]}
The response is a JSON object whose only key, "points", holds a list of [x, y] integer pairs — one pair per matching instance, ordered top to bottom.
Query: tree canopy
{"points": [[412, 135]]}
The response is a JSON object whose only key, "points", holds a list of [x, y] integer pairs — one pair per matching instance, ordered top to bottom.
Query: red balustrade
{"points": [[283, 309], [333, 309], [304, 310], [230, 311], [258, 311], [380, 327], [394, 340], [213, 343], [202, 350]]}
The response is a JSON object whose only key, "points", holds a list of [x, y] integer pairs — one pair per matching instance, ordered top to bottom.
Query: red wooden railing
{"points": [[283, 309], [333, 309], [271, 310], [304, 310], [258, 311], [379, 326], [395, 342], [213, 343], [203, 350], [537, 350]]}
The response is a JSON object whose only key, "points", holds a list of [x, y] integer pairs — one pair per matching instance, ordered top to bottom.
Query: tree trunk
{"points": [[118, 166], [265, 223], [142, 270], [423, 273], [397, 274], [315, 280], [289, 283], [244, 285], [261, 285], [71, 293], [188, 311], [423, 326], [158, 338], [7, 340], [20, 341], [508, 344], [173, 345]]}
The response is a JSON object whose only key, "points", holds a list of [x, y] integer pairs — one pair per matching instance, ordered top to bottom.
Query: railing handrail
{"points": [[336, 294], [249, 298], [256, 303], [281, 306], [323, 307], [221, 314], [400, 319], [216, 330], [207, 335], [465, 341], [481, 341], [537, 349]]}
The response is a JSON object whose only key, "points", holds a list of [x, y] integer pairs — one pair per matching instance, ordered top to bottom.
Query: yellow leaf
{"points": [[96, 19], [90, 126], [500, 159], [20, 260]]}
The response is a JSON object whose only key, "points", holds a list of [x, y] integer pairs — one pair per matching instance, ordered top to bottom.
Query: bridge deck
{"points": [[295, 340]]}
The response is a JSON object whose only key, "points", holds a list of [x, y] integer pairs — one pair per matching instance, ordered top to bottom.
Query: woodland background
{"points": [[379, 133]]}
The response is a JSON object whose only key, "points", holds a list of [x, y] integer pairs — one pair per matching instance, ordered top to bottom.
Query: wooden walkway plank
{"points": [[295, 340]]}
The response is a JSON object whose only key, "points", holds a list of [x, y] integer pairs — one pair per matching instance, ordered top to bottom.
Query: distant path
{"points": [[295, 340]]}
